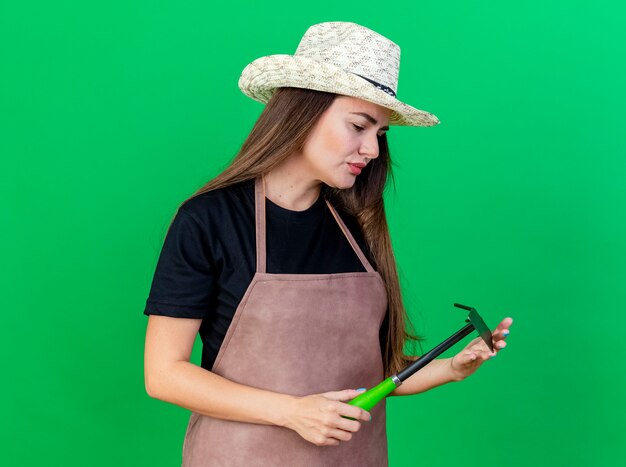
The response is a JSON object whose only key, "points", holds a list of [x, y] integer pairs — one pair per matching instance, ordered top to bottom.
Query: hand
{"points": [[476, 352], [319, 418]]}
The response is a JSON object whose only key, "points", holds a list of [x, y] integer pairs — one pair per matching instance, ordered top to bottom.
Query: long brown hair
{"points": [[281, 130]]}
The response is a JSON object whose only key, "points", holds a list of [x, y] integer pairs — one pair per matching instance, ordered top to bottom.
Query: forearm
{"points": [[434, 374], [199, 390]]}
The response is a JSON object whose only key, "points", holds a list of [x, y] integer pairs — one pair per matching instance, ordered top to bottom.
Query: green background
{"points": [[112, 113]]}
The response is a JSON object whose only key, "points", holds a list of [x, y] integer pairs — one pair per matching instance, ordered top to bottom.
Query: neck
{"points": [[292, 187]]}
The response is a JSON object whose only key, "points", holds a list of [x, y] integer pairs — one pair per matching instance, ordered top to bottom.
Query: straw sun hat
{"points": [[339, 57]]}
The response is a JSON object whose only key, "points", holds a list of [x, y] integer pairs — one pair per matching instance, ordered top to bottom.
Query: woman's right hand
{"points": [[319, 418]]}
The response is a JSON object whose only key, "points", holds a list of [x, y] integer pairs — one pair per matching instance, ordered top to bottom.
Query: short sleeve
{"points": [[185, 278]]}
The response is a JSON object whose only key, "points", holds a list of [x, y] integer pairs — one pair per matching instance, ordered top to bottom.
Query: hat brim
{"points": [[260, 79]]}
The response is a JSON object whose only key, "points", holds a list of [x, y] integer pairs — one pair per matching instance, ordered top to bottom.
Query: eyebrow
{"points": [[370, 119]]}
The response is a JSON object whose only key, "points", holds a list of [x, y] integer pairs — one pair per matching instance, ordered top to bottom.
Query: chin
{"points": [[342, 183]]}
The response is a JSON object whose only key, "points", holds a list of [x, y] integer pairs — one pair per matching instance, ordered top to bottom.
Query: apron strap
{"points": [[259, 201], [261, 246], [355, 246]]}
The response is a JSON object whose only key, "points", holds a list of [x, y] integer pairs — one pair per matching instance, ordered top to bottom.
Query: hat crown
{"points": [[353, 48]]}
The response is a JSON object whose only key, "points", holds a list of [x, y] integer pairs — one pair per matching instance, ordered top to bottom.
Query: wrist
{"points": [[455, 375], [281, 414]]}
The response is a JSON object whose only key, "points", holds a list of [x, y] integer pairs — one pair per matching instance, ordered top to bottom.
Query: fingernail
{"points": [[505, 333], [492, 356], [361, 389], [370, 417]]}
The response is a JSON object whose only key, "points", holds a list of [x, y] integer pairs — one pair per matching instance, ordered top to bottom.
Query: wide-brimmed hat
{"points": [[342, 58]]}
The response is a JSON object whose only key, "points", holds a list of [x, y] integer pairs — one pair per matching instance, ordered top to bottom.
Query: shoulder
{"points": [[220, 204]]}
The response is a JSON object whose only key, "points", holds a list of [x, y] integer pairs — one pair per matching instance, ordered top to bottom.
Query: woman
{"points": [[284, 265]]}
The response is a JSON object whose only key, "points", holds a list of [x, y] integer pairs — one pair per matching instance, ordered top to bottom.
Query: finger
{"points": [[504, 324], [502, 330], [500, 335], [500, 345], [480, 347], [486, 353], [480, 355], [467, 357], [345, 395], [354, 412], [348, 425], [338, 434], [321, 440]]}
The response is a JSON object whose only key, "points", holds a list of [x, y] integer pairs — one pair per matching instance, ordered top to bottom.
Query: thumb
{"points": [[465, 358], [346, 394]]}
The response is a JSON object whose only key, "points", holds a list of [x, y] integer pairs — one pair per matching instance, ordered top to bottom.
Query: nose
{"points": [[369, 146]]}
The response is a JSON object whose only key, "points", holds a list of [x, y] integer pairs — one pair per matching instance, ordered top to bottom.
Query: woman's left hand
{"points": [[476, 352]]}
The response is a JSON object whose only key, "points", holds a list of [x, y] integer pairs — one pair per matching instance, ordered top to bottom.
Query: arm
{"points": [[457, 368], [434, 374], [171, 377]]}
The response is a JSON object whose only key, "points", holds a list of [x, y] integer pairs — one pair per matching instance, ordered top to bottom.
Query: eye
{"points": [[358, 128]]}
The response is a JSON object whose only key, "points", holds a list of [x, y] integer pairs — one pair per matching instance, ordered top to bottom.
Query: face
{"points": [[345, 134]]}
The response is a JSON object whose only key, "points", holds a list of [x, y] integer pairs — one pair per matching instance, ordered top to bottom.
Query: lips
{"points": [[356, 168]]}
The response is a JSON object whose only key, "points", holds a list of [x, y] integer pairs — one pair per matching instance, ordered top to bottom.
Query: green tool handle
{"points": [[370, 398]]}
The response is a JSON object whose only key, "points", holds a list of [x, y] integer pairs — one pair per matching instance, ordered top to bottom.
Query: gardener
{"points": [[284, 265]]}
